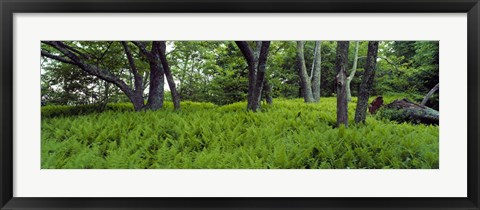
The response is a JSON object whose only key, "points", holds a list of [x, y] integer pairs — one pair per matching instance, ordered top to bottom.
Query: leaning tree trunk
{"points": [[262, 61], [341, 62], [316, 71], [352, 72], [169, 76], [367, 82], [305, 85], [429, 94], [137, 96], [406, 111]]}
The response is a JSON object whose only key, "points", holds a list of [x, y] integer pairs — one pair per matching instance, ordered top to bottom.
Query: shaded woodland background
{"points": [[217, 72]]}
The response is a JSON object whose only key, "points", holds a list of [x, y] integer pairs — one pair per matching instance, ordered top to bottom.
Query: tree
{"points": [[76, 54], [71, 55], [341, 63], [256, 70], [352, 72], [168, 73], [315, 76], [367, 82], [305, 83], [267, 91]]}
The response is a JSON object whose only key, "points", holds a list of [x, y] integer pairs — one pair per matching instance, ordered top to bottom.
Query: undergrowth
{"points": [[286, 135]]}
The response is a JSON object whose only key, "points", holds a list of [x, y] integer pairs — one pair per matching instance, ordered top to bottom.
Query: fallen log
{"points": [[404, 110]]}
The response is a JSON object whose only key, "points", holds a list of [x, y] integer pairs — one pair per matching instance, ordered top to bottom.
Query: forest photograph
{"points": [[308, 104]]}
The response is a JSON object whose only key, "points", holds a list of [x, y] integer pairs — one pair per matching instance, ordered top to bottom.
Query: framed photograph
{"points": [[239, 104]]}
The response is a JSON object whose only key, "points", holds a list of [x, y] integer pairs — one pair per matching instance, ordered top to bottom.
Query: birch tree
{"points": [[315, 76], [305, 83]]}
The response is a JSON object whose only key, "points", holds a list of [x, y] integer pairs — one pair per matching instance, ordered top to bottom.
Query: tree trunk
{"points": [[256, 61], [262, 61], [341, 62], [316, 71], [352, 72], [302, 73], [168, 74], [157, 75], [252, 75], [157, 81], [367, 82], [267, 91], [429, 94], [137, 98], [406, 111]]}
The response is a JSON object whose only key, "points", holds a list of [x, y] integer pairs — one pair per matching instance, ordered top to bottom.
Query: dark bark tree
{"points": [[73, 56], [262, 62], [341, 62], [256, 71], [316, 71], [168, 74], [252, 74], [157, 80], [367, 82], [305, 84], [267, 91], [138, 102]]}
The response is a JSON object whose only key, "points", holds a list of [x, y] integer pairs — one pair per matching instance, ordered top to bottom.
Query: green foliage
{"points": [[411, 67], [216, 71], [67, 111], [287, 134]]}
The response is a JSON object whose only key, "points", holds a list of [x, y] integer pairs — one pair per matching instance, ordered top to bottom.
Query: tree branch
{"points": [[143, 49], [246, 51], [105, 52], [58, 58], [133, 67], [91, 69]]}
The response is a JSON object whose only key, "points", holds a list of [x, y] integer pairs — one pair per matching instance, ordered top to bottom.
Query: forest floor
{"points": [[286, 135]]}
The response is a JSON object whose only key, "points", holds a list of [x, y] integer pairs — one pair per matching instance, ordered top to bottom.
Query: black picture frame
{"points": [[9, 7]]}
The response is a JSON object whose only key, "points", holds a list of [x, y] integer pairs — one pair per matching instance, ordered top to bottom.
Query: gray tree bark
{"points": [[262, 62], [341, 62], [316, 71], [352, 72], [367, 82], [305, 84], [156, 92], [429, 94], [137, 101], [404, 110]]}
